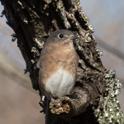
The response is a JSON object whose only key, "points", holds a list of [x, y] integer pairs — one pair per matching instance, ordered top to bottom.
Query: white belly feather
{"points": [[60, 83]]}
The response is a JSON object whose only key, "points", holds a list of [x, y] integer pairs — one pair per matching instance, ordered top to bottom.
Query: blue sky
{"points": [[103, 13], [7, 47]]}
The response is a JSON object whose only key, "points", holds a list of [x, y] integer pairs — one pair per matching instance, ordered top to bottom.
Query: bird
{"points": [[58, 64]]}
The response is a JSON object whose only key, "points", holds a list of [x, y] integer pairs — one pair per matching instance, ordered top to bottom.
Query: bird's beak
{"points": [[74, 36]]}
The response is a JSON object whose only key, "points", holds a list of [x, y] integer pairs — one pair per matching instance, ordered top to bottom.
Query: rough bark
{"points": [[33, 21]]}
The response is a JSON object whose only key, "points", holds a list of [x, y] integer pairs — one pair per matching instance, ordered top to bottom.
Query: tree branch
{"points": [[33, 21]]}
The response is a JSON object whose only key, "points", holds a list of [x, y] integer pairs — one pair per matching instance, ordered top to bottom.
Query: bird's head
{"points": [[61, 36]]}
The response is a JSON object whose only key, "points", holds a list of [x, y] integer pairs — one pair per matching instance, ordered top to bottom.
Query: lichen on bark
{"points": [[108, 111]]}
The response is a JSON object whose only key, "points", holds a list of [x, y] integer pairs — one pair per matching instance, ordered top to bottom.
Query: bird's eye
{"points": [[60, 36]]}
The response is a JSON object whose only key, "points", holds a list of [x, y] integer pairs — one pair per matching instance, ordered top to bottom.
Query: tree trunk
{"points": [[33, 21]]}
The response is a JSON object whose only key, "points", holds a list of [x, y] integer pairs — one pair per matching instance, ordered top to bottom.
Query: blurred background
{"points": [[18, 102]]}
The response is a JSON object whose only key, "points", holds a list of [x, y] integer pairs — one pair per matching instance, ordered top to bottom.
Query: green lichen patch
{"points": [[108, 111]]}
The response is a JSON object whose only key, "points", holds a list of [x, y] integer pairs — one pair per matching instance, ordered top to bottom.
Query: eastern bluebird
{"points": [[58, 64]]}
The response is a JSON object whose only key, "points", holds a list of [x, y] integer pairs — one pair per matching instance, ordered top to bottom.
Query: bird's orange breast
{"points": [[58, 64]]}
